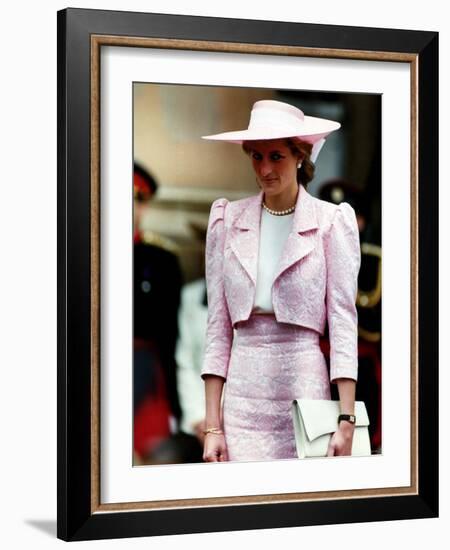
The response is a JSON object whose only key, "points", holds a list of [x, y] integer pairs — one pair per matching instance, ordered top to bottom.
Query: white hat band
{"points": [[266, 117]]}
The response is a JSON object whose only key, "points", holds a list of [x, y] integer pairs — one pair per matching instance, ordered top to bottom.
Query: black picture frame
{"points": [[81, 33]]}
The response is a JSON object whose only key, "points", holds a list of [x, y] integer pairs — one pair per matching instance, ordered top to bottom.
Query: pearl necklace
{"points": [[279, 212]]}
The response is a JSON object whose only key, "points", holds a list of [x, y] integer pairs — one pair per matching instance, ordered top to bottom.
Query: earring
{"points": [[299, 165]]}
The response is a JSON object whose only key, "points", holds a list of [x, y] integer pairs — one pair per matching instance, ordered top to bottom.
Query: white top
{"points": [[273, 235]]}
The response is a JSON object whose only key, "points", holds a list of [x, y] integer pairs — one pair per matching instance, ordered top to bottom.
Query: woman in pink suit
{"points": [[279, 265]]}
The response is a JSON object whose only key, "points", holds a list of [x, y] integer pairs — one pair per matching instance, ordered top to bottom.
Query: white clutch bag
{"points": [[315, 421]]}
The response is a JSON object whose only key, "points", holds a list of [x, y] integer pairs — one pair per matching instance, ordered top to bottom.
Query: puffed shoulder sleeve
{"points": [[343, 256], [219, 330]]}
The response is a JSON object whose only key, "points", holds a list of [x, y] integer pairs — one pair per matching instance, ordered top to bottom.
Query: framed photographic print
{"points": [[136, 94]]}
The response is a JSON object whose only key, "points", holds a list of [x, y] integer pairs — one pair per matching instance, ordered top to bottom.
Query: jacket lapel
{"points": [[245, 236], [302, 238]]}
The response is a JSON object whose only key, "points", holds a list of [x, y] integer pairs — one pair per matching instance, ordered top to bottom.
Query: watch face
{"points": [[349, 417]]}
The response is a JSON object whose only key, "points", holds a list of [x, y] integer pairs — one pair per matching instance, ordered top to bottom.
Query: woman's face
{"points": [[275, 166]]}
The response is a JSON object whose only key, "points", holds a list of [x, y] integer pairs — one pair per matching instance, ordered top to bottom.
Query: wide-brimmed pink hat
{"points": [[272, 119]]}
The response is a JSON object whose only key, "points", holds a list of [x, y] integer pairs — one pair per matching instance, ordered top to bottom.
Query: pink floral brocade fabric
{"points": [[269, 360]]}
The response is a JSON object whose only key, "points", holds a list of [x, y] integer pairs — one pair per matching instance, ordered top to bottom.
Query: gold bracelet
{"points": [[216, 431]]}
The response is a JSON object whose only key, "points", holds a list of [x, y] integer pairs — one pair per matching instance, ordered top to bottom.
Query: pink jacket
{"points": [[316, 280]]}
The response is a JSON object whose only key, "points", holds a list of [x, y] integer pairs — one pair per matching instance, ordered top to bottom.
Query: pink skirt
{"points": [[271, 364]]}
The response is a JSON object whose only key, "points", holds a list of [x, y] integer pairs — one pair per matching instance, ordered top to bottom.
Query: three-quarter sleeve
{"points": [[343, 257], [219, 330]]}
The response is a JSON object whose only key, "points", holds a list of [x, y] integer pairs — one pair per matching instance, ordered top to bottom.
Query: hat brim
{"points": [[311, 130]]}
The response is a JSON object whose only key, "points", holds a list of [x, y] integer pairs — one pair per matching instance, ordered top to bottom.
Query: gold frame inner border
{"points": [[97, 41]]}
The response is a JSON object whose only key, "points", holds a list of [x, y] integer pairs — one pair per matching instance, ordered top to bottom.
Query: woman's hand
{"points": [[341, 441], [215, 448]]}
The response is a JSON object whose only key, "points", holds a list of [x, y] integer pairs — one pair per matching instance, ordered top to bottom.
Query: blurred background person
{"points": [[157, 281], [190, 350], [189, 356]]}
